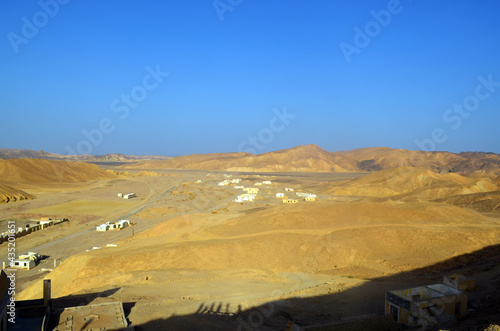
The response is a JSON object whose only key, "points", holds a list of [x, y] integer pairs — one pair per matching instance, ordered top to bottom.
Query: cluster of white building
{"points": [[226, 182], [265, 182], [305, 195], [245, 197], [113, 226]]}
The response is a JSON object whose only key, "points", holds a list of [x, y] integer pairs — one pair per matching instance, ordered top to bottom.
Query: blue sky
{"points": [[183, 77]]}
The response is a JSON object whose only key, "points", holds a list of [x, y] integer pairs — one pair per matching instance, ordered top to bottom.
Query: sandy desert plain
{"points": [[197, 260]]}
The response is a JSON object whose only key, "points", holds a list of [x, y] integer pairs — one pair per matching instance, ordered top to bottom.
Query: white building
{"points": [[266, 182], [258, 184], [239, 187], [288, 189], [251, 190], [280, 195], [129, 196], [245, 198], [103, 227], [23, 264]]}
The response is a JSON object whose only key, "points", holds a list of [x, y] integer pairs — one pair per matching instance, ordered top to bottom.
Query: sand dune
{"points": [[37, 171], [415, 182], [10, 194]]}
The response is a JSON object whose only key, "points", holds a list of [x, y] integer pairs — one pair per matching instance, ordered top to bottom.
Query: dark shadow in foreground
{"points": [[325, 311]]}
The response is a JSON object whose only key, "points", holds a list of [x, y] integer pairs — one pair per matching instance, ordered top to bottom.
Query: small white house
{"points": [[266, 182], [258, 184], [120, 195], [280, 195], [129, 196], [123, 224], [103, 227], [23, 264]]}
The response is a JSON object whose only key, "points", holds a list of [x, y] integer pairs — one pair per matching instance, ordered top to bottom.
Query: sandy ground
{"points": [[197, 260]]}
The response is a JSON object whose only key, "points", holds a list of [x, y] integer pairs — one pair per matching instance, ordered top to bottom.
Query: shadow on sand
{"points": [[483, 302]]}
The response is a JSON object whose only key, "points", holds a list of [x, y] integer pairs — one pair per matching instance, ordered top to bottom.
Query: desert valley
{"points": [[293, 238]]}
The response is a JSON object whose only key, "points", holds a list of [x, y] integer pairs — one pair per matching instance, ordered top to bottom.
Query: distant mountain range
{"points": [[6, 153], [304, 158], [312, 158]]}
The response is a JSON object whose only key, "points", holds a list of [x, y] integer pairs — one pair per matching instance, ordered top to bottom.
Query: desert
{"points": [[193, 258]]}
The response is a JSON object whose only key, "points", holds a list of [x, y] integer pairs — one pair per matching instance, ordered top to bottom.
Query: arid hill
{"points": [[6, 153], [301, 158], [308, 158], [312, 158], [384, 158], [38, 171], [415, 182], [10, 194], [485, 202], [362, 237]]}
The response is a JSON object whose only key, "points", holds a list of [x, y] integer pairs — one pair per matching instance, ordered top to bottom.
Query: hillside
{"points": [[6, 153], [301, 158], [312, 158], [384, 158], [38, 171], [415, 182], [10, 194], [324, 237]]}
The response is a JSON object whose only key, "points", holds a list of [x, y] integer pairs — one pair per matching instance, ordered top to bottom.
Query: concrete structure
{"points": [[199, 181], [235, 181], [266, 182], [224, 183], [258, 184], [238, 187], [251, 190], [120, 195], [280, 195], [129, 196], [245, 198], [289, 201], [113, 226], [102, 227], [35, 257], [23, 264], [459, 282], [426, 305], [54, 314]]}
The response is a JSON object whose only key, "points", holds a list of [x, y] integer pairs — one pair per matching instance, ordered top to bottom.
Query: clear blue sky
{"points": [[85, 65]]}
